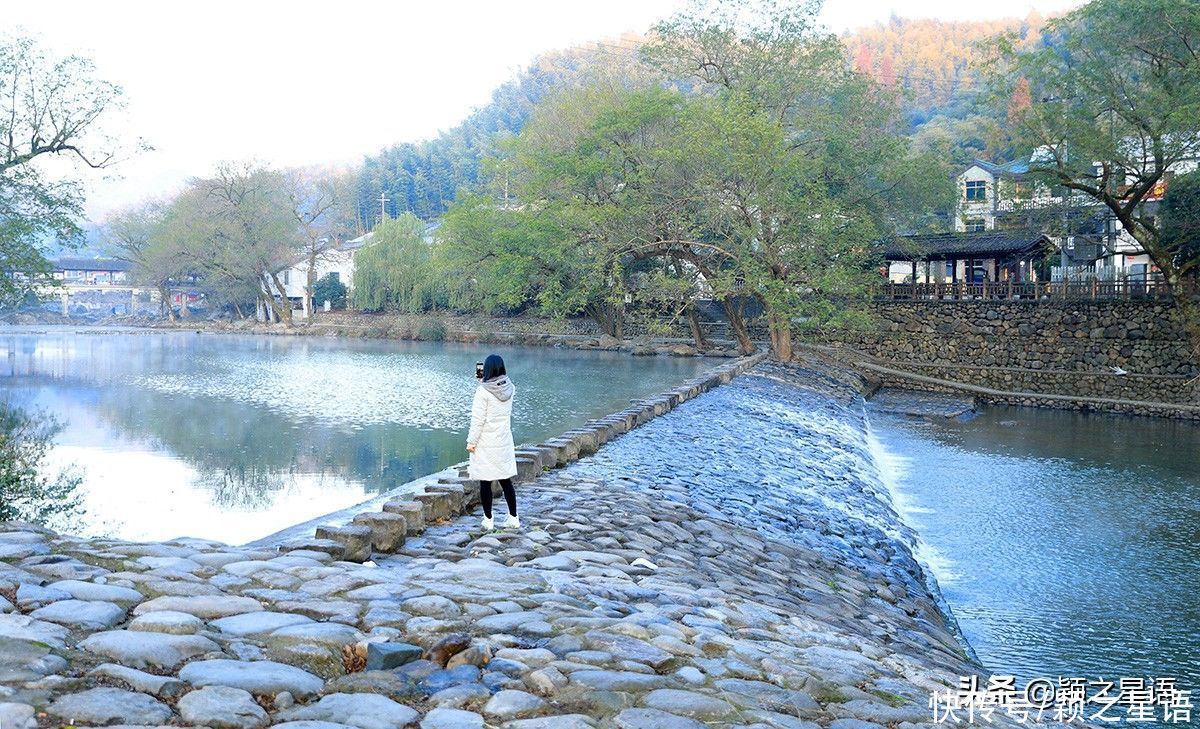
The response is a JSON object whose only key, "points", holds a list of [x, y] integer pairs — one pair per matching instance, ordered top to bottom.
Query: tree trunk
{"points": [[309, 283], [164, 303], [282, 309], [237, 310], [608, 318], [694, 325], [737, 325], [781, 336]]}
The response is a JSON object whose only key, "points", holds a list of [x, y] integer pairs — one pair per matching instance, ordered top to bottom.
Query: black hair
{"points": [[493, 367]]}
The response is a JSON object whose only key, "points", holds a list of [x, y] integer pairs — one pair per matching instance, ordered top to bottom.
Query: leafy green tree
{"points": [[49, 108], [1115, 108], [799, 162], [584, 192], [1181, 217], [503, 259], [396, 269], [329, 288], [29, 491]]}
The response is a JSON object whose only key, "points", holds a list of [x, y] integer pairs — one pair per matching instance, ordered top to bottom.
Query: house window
{"points": [[976, 190], [975, 225]]}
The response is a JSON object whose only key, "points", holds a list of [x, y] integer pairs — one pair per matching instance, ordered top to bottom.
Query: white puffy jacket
{"points": [[491, 432]]}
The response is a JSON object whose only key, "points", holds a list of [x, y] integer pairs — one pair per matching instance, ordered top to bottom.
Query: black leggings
{"points": [[485, 496]]}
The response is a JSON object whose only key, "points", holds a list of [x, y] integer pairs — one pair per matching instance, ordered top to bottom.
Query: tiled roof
{"points": [[1016, 167], [356, 243], [984, 244], [91, 264]]}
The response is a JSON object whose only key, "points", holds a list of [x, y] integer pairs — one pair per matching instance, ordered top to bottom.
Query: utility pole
{"points": [[506, 184], [383, 201]]}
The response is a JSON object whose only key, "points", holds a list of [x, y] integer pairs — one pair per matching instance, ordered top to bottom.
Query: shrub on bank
{"points": [[431, 331]]}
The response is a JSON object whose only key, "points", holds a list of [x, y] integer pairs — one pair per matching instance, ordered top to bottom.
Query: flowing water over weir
{"points": [[783, 450], [1065, 544]]}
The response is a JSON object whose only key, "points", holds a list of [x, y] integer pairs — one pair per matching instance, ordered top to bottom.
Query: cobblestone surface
{"points": [[728, 564]]}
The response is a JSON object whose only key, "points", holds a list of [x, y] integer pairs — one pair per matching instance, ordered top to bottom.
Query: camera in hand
{"points": [[479, 370]]}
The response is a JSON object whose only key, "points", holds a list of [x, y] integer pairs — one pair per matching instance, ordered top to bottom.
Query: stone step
{"points": [[601, 431], [585, 441], [565, 450], [544, 457], [528, 468], [457, 492], [437, 505], [412, 511], [387, 530], [356, 540], [328, 546]]}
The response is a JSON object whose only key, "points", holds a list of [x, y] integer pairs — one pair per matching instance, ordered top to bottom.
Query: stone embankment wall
{"points": [[1053, 354]]}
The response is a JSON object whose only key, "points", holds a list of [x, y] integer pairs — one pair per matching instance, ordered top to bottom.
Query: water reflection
{"points": [[233, 437], [1074, 540]]}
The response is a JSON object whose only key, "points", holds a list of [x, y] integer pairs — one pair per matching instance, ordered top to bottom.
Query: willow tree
{"points": [[1114, 113], [509, 258], [396, 269]]}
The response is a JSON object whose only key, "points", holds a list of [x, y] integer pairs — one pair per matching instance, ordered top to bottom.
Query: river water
{"points": [[232, 437], [1066, 544]]}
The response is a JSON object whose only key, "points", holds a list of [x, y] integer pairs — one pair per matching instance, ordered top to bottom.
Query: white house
{"points": [[1002, 197], [338, 261]]}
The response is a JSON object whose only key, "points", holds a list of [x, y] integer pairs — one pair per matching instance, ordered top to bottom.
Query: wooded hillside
{"points": [[935, 62], [932, 63]]}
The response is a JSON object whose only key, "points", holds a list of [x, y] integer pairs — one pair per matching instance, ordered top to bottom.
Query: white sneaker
{"points": [[513, 522], [487, 524]]}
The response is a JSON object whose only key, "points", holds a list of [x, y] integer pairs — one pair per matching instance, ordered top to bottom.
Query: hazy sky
{"points": [[302, 82]]}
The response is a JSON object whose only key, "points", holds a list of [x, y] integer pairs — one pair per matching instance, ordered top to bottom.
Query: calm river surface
{"points": [[235, 437], [1065, 544]]}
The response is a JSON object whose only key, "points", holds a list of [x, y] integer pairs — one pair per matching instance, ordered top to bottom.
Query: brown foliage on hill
{"points": [[933, 61]]}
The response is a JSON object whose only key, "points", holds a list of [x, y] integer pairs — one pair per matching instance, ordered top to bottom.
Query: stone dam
{"points": [[735, 561]]}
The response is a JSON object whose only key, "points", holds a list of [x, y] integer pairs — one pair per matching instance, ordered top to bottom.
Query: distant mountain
{"points": [[933, 62], [424, 177], [89, 246]]}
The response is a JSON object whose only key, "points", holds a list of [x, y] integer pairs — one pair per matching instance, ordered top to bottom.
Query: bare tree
{"points": [[48, 108], [322, 206], [138, 235]]}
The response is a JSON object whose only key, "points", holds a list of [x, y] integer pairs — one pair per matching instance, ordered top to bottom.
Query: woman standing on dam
{"points": [[490, 440]]}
